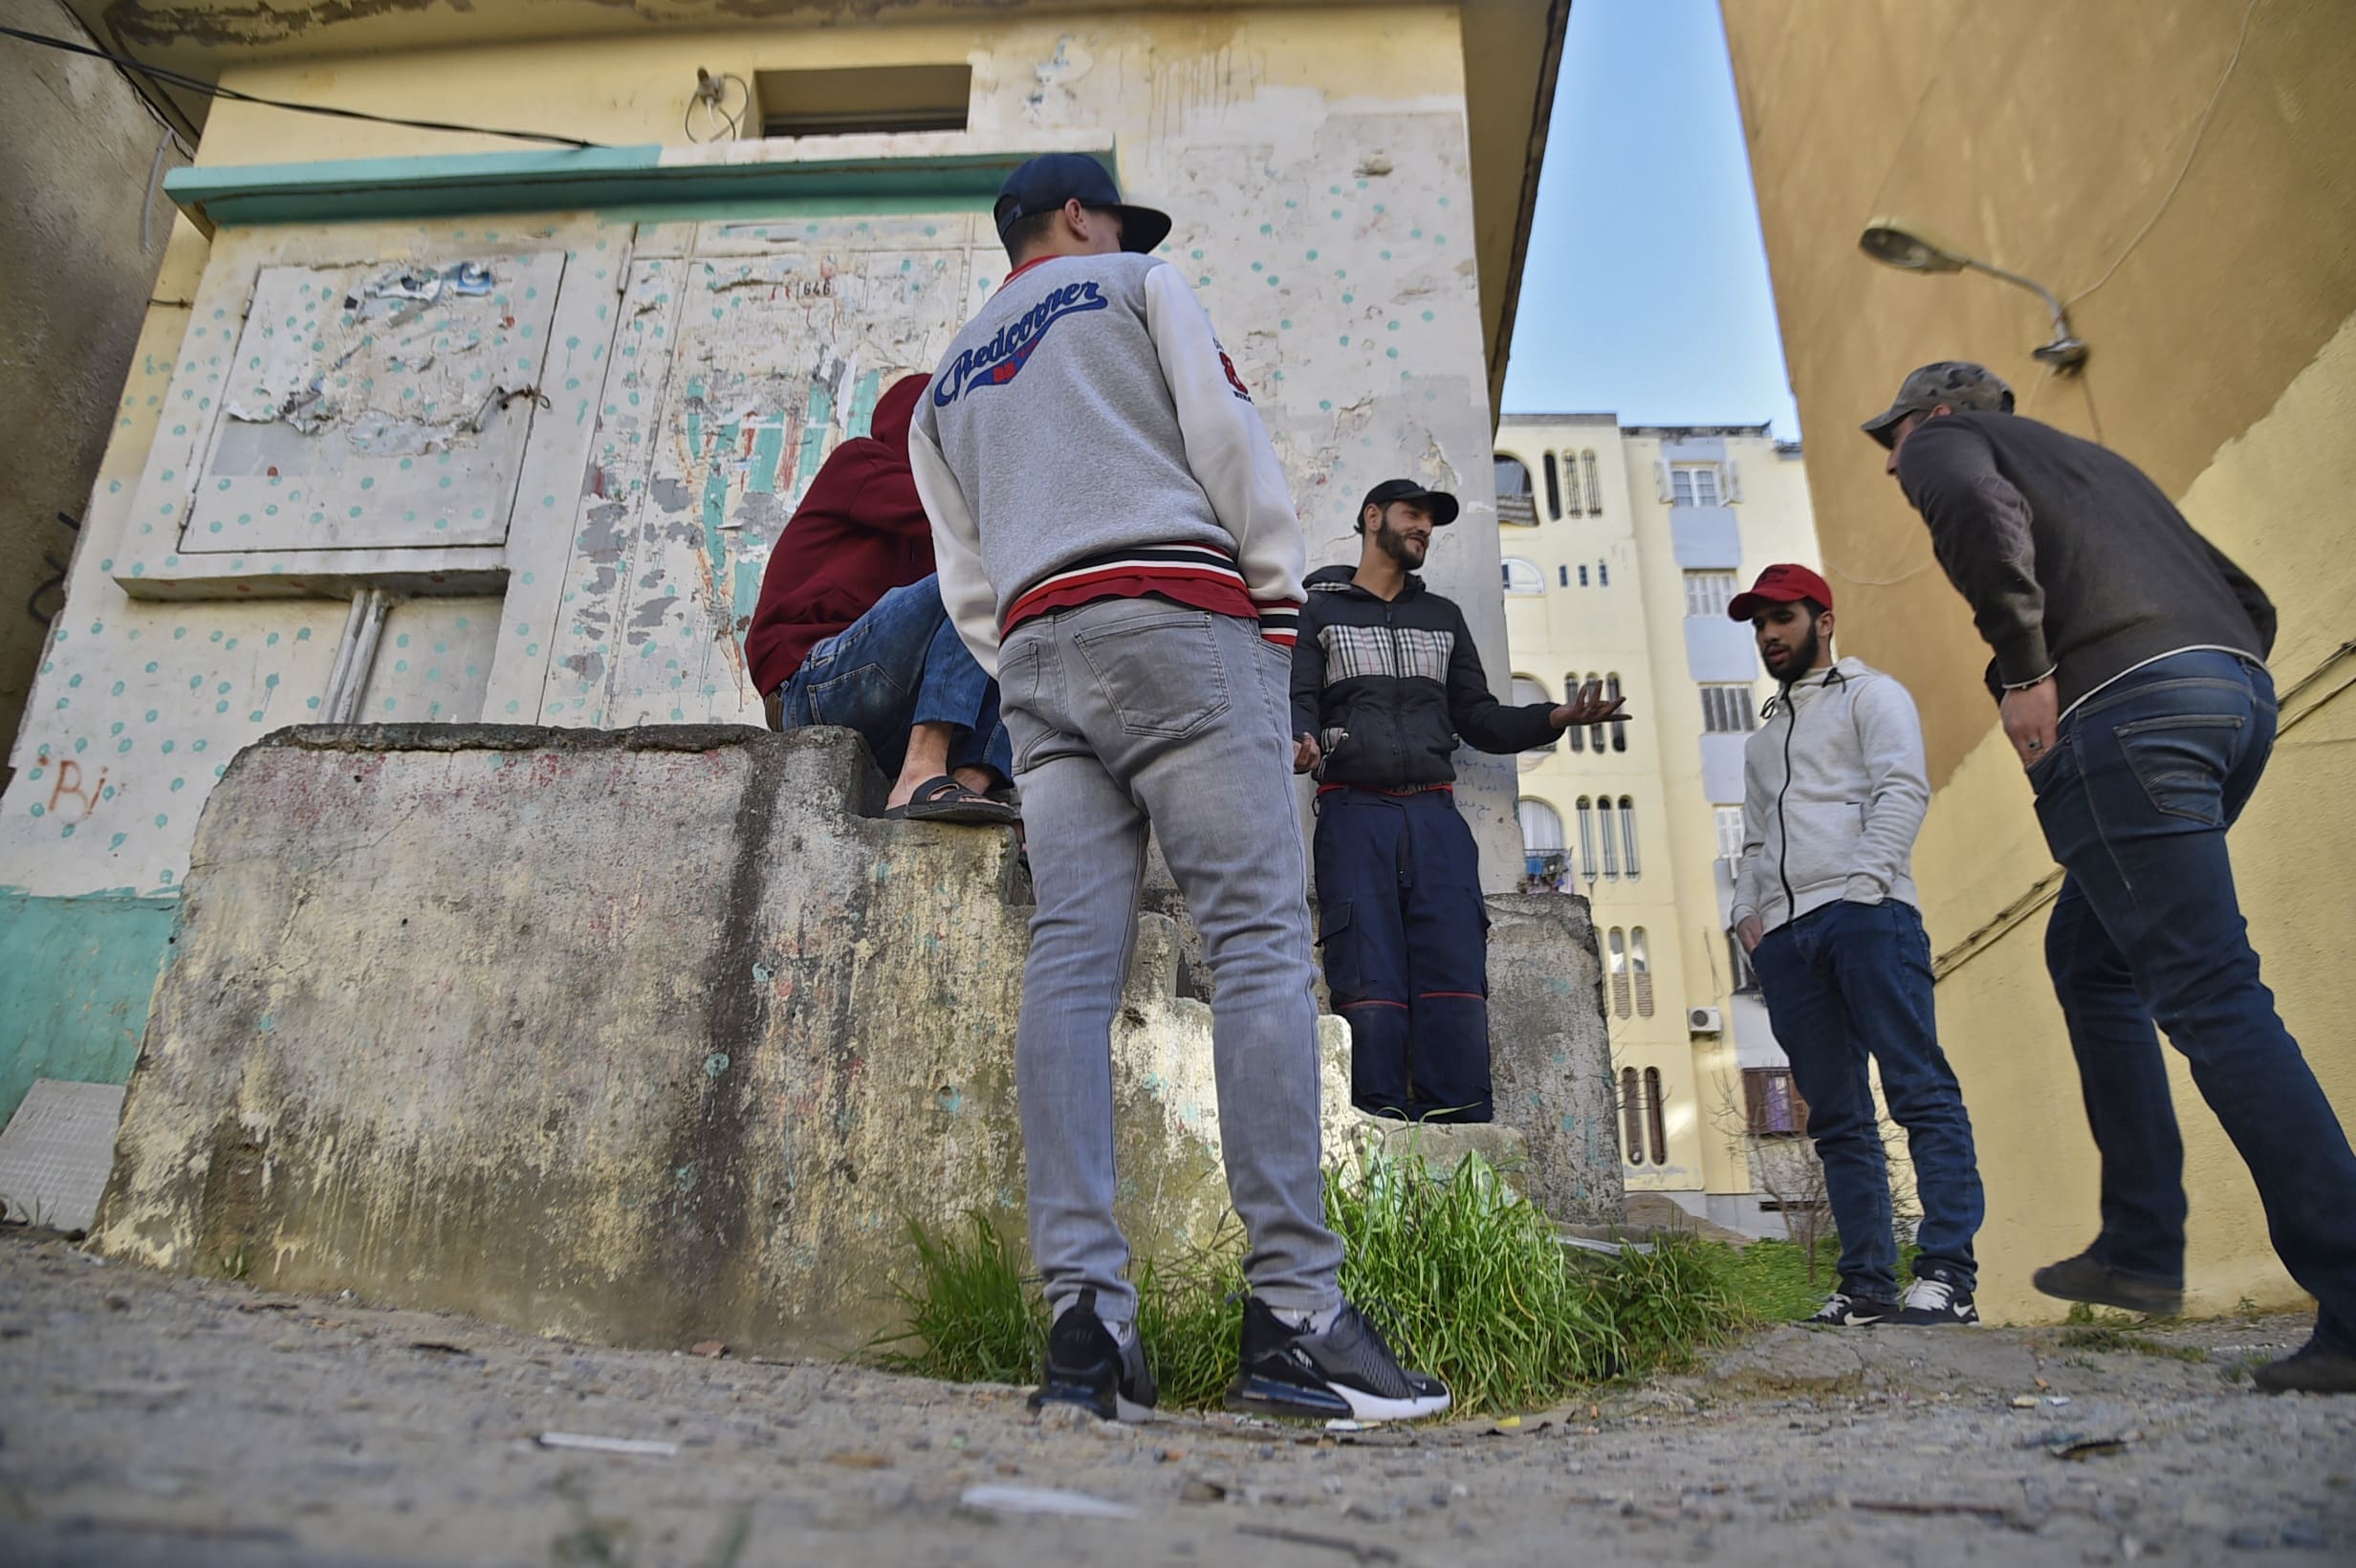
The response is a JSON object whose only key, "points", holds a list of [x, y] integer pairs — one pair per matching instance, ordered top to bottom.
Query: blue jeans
{"points": [[899, 665], [1129, 712], [2135, 800], [1406, 951], [1842, 983]]}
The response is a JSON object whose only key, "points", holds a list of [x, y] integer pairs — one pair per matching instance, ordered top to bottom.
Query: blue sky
{"points": [[1646, 291]]}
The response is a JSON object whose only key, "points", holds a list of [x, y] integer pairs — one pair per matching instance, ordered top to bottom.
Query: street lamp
{"points": [[1908, 247]]}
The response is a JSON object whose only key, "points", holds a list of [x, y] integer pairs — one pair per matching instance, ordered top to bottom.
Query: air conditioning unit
{"points": [[1703, 1020]]}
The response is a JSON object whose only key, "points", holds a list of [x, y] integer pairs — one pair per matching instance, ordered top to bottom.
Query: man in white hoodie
{"points": [[1834, 791]]}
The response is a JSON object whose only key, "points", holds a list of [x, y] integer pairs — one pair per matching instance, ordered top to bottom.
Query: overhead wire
{"points": [[197, 84], [2199, 131]]}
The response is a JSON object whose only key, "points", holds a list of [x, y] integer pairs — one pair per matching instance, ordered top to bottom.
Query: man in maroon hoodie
{"points": [[850, 630]]}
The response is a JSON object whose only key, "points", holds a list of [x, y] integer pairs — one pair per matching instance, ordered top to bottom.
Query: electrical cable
{"points": [[196, 84], [711, 93], [2190, 153]]}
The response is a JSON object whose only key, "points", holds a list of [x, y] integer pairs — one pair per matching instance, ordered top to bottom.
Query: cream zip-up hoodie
{"points": [[1834, 791]]}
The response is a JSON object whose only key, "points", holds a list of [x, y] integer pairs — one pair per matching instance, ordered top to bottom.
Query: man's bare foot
{"points": [[926, 759]]}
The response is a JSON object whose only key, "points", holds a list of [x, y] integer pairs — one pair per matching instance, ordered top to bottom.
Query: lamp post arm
{"points": [[2060, 312]]}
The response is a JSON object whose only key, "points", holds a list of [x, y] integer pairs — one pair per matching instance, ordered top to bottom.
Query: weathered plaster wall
{"points": [[2044, 138], [76, 148], [1315, 164], [649, 1037], [1551, 1054]]}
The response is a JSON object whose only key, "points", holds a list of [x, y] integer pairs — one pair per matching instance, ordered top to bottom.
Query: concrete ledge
{"points": [[646, 1037]]}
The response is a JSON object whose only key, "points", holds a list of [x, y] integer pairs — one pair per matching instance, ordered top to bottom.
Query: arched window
{"points": [[1570, 484], [1553, 487], [1595, 490], [1514, 503], [1523, 577], [1527, 689], [1618, 727], [1577, 732], [1628, 832], [1587, 834], [1611, 839], [1545, 859], [1616, 960], [1640, 964], [1631, 1116], [1655, 1124]]}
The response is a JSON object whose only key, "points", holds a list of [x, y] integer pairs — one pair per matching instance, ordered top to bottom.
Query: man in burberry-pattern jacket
{"points": [[1385, 682]]}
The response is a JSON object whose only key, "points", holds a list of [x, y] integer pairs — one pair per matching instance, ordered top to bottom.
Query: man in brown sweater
{"points": [[2129, 670]]}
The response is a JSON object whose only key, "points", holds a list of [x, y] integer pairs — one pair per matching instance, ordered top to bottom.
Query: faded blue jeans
{"points": [[899, 665], [1131, 712], [2135, 800], [1842, 983]]}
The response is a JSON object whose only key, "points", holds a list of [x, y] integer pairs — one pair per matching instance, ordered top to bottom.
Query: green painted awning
{"points": [[645, 182]]}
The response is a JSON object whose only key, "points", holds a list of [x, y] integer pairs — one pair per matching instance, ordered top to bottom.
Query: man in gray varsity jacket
{"points": [[1117, 544], [1834, 791]]}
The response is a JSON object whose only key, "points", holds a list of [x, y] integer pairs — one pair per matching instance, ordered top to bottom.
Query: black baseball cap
{"points": [[1045, 183], [1438, 505]]}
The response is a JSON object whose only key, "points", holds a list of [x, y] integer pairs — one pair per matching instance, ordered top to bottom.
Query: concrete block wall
{"points": [[647, 1037]]}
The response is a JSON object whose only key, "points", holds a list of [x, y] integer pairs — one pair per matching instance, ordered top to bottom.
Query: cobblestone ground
{"points": [[149, 1419]]}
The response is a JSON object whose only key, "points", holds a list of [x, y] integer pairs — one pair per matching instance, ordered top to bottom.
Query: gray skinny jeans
{"points": [[1122, 711]]}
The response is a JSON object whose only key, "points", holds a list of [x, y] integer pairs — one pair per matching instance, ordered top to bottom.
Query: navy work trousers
{"points": [[1406, 942]]}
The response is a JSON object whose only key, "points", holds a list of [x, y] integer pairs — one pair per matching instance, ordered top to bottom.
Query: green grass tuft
{"points": [[1467, 1279], [972, 1317], [2087, 1329]]}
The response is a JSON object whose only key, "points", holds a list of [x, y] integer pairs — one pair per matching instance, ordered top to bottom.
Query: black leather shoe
{"points": [[2081, 1278]]}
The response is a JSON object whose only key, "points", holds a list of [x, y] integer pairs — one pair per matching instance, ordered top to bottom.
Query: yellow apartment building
{"points": [[2178, 174], [1620, 546]]}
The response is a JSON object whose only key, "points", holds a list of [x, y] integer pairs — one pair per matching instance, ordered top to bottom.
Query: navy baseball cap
{"points": [[1045, 183], [1438, 505]]}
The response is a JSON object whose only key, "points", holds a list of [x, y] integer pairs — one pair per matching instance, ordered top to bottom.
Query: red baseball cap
{"points": [[1783, 583]]}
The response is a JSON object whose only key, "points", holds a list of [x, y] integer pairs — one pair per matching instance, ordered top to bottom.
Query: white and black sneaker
{"points": [[1932, 1301], [1841, 1309], [1087, 1367], [1343, 1372]]}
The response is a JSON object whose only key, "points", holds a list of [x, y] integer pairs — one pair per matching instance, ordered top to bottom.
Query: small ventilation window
{"points": [[863, 99]]}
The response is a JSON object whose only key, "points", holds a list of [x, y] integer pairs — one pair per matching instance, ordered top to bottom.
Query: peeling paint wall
{"points": [[75, 260], [621, 424]]}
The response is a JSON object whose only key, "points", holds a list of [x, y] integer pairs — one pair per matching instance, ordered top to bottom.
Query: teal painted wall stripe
{"points": [[598, 179], [75, 974]]}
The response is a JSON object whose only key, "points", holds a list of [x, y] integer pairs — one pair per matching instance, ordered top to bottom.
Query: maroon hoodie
{"points": [[858, 534]]}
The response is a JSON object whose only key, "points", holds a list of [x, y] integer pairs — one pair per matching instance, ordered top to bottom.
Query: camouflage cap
{"points": [[1957, 383]]}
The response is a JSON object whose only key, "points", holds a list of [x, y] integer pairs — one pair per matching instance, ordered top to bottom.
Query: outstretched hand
{"points": [[1586, 710]]}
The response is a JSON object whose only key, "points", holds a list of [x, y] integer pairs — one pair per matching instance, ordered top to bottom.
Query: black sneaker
{"points": [[2081, 1278], [1932, 1301], [1841, 1309], [1087, 1367], [2314, 1368], [1346, 1373]]}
